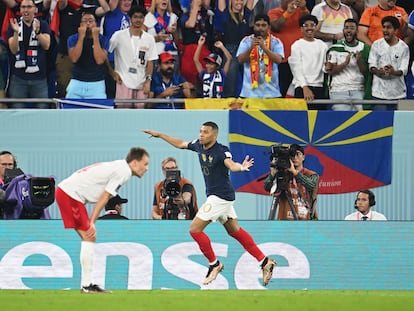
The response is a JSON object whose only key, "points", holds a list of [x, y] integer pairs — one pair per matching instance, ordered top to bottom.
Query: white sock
{"points": [[87, 256]]}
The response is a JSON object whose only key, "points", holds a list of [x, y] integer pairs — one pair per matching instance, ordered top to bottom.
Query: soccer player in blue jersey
{"points": [[216, 161]]}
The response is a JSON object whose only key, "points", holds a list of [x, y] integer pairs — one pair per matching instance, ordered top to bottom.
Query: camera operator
{"points": [[7, 160], [295, 186], [172, 201]]}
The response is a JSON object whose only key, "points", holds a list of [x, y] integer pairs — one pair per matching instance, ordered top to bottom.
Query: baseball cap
{"points": [[166, 57], [214, 58], [114, 201]]}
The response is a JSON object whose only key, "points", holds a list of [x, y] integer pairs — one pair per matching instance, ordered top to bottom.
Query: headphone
{"points": [[14, 159], [371, 197]]}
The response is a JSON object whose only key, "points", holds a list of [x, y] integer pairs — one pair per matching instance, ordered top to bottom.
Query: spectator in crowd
{"points": [[12, 10], [42, 13], [331, 15], [66, 19], [116, 19], [161, 22], [284, 22], [195, 23], [370, 23], [231, 24], [29, 40], [88, 51], [135, 52], [260, 54], [307, 61], [388, 61], [347, 66], [213, 77], [166, 83], [216, 161], [95, 184], [296, 187], [364, 202], [170, 203], [113, 209]]}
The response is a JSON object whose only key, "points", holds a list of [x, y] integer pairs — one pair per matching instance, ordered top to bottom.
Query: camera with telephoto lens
{"points": [[280, 160], [172, 186], [171, 189]]}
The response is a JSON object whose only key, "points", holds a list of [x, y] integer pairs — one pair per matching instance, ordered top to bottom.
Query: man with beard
{"points": [[88, 51], [135, 52], [260, 54], [388, 62], [347, 66], [167, 84]]}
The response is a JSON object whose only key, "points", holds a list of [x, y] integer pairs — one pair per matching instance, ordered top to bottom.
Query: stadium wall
{"points": [[57, 142], [144, 255]]}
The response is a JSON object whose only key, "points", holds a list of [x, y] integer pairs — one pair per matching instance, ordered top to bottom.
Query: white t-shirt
{"points": [[132, 54], [382, 54], [307, 61], [87, 184], [372, 215]]}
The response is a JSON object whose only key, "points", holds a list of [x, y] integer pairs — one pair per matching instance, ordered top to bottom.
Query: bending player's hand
{"points": [[152, 133], [247, 164], [91, 232]]}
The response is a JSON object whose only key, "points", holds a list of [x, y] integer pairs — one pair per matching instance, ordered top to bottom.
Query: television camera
{"points": [[280, 160], [171, 189]]}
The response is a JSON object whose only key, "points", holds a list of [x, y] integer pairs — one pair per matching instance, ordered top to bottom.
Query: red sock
{"points": [[248, 243], [204, 244]]}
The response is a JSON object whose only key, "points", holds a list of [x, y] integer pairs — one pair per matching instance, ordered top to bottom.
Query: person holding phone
{"points": [[260, 54], [166, 83]]}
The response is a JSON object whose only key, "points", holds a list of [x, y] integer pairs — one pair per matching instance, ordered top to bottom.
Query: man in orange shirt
{"points": [[284, 25], [370, 28]]}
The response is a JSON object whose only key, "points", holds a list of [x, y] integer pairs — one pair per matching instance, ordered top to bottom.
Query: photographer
{"points": [[295, 186], [174, 197]]}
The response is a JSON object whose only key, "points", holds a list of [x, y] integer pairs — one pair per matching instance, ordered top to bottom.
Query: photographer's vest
{"points": [[303, 200], [162, 202]]}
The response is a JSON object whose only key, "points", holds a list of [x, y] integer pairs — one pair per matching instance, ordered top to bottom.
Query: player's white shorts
{"points": [[215, 209]]}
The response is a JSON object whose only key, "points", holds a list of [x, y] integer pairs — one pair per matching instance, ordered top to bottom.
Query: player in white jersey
{"points": [[96, 184]]}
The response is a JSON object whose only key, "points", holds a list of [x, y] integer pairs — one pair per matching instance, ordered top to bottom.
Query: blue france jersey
{"points": [[216, 174]]}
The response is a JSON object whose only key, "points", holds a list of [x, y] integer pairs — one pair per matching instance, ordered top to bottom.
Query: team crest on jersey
{"points": [[210, 159]]}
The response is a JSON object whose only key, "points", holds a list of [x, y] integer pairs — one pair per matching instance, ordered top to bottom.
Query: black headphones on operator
{"points": [[14, 159], [371, 197]]}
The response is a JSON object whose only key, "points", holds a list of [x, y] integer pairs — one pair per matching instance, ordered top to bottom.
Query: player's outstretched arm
{"points": [[176, 142], [239, 167]]}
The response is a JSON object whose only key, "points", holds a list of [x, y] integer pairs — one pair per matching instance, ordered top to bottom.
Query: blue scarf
{"points": [[161, 27], [26, 57]]}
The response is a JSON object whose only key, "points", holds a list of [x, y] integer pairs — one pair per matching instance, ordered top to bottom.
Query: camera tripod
{"points": [[275, 204]]}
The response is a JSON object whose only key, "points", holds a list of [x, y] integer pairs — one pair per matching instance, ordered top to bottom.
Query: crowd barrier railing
{"points": [[198, 103]]}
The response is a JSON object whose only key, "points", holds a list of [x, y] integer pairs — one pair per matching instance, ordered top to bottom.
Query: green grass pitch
{"points": [[211, 300]]}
